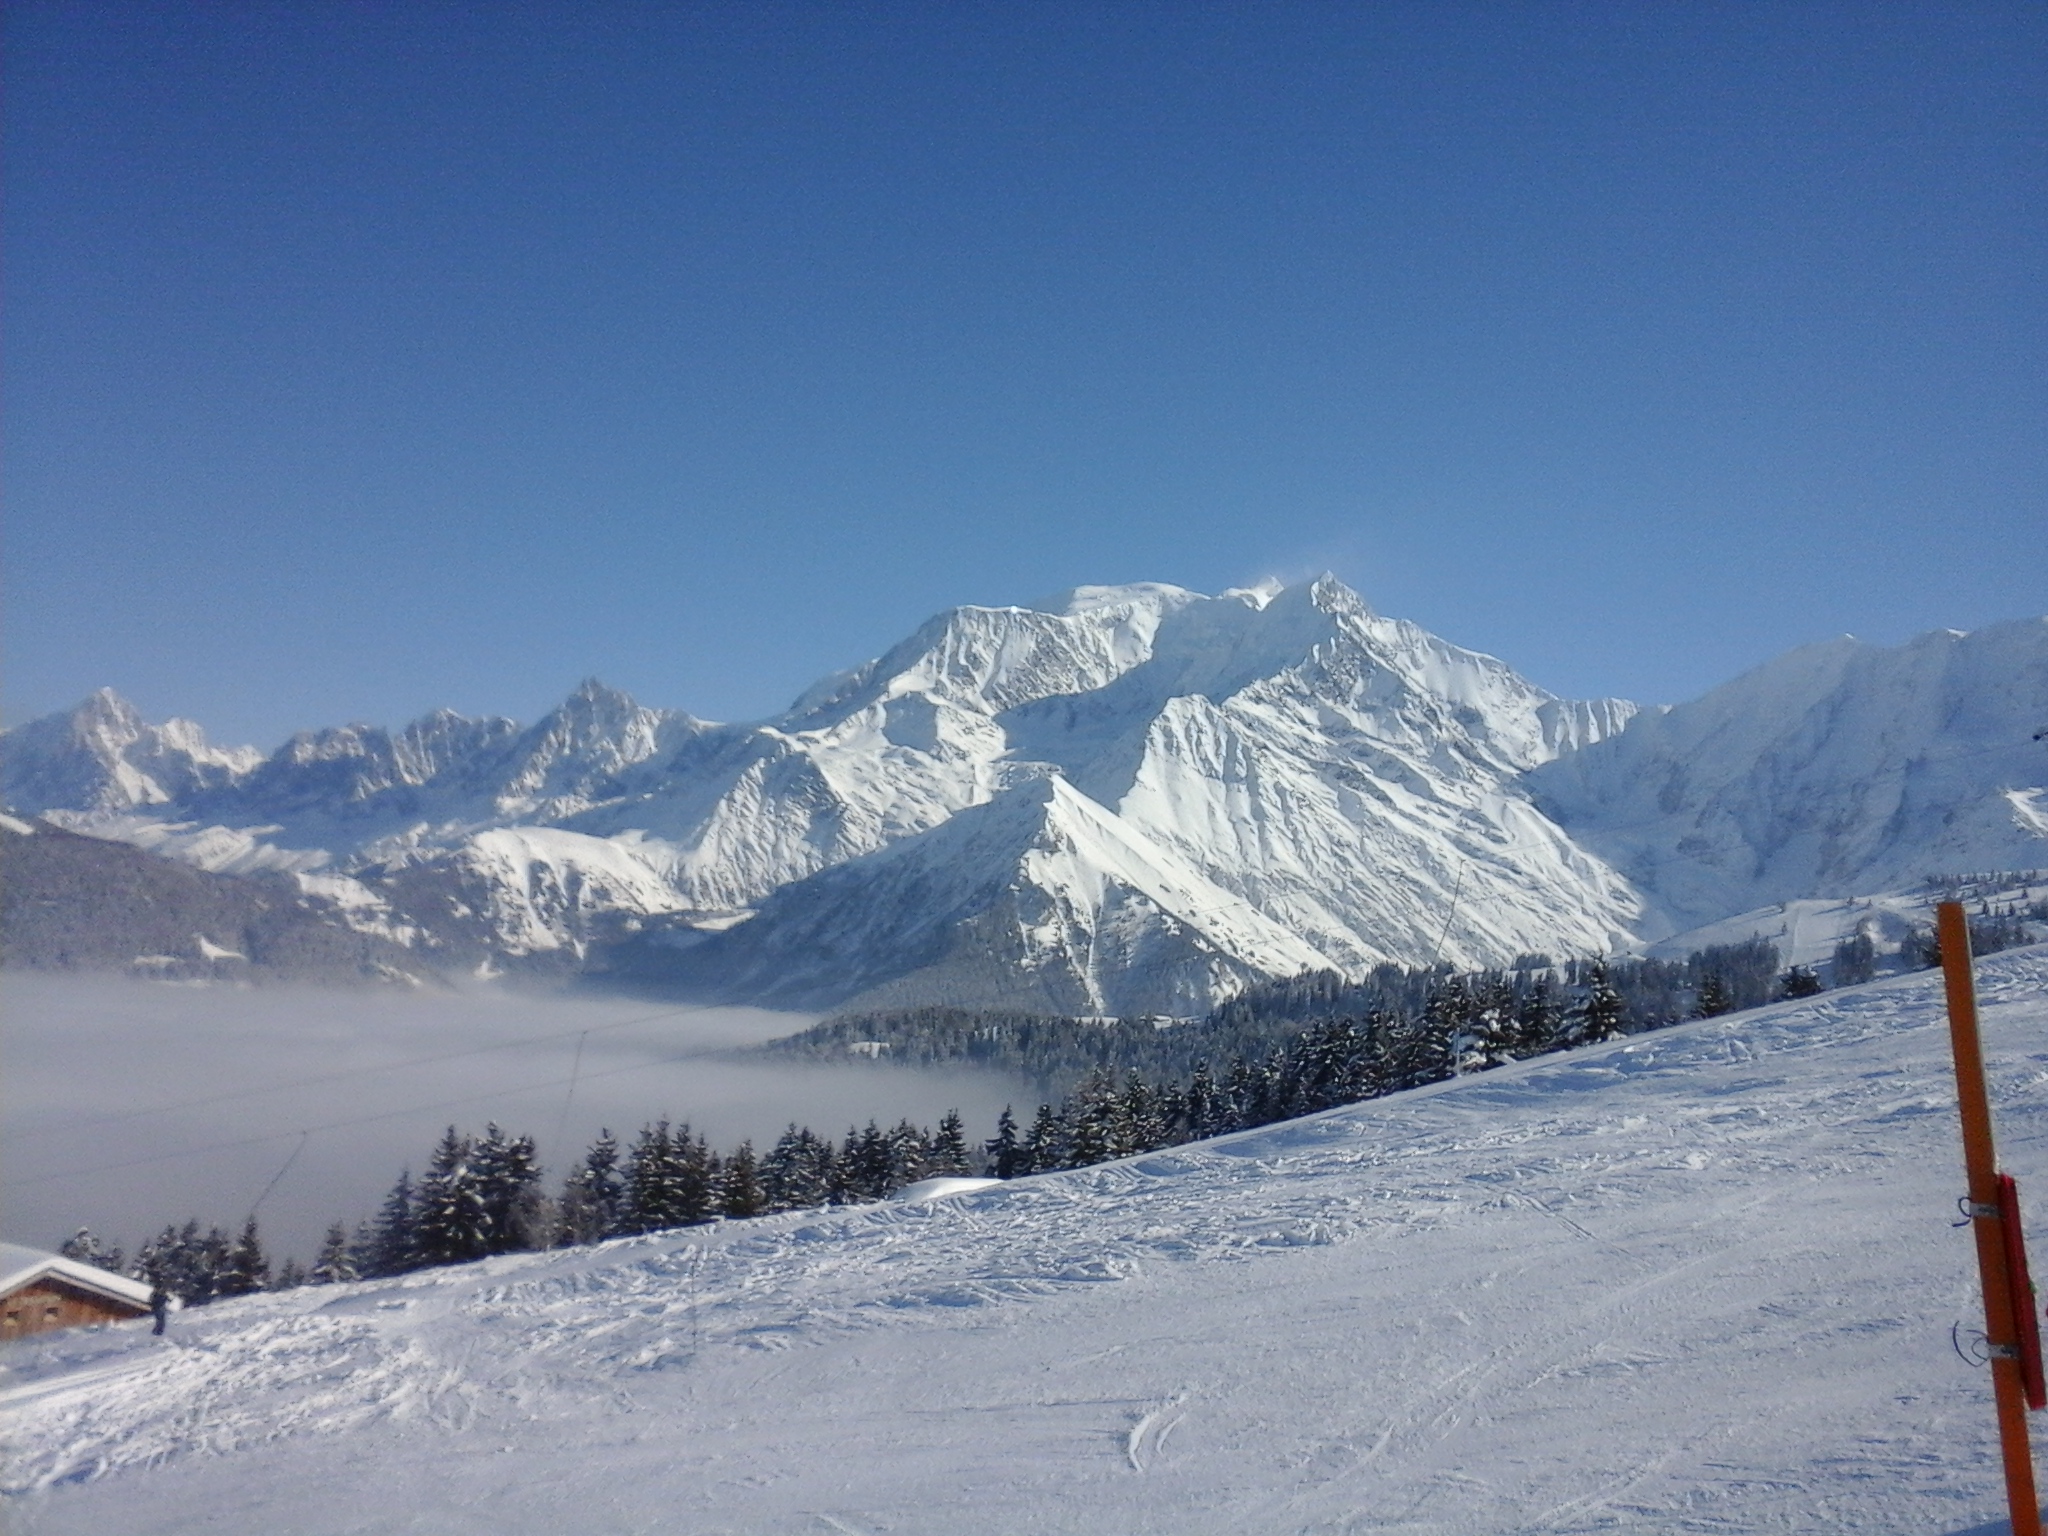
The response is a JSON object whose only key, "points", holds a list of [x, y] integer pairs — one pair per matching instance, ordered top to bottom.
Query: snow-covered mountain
{"points": [[103, 757], [1837, 769], [1123, 799], [1701, 1280]]}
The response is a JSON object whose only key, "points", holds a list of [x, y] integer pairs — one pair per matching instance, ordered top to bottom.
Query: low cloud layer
{"points": [[121, 1098]]}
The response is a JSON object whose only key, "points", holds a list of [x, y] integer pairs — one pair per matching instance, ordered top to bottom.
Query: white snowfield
{"points": [[1698, 1281]]}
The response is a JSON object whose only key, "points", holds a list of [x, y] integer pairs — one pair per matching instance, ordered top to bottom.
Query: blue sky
{"points": [[366, 358]]}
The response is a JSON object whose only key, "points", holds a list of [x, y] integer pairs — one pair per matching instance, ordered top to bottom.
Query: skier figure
{"points": [[159, 1306]]}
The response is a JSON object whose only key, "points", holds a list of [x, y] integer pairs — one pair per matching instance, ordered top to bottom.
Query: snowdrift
{"points": [[1697, 1281]]}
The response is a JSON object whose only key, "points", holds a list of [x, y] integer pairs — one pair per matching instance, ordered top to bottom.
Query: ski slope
{"points": [[1699, 1281]]}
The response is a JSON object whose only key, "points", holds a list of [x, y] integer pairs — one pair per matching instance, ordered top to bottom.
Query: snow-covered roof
{"points": [[21, 1266]]}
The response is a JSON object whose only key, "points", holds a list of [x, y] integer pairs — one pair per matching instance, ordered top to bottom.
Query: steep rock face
{"points": [[1835, 769]]}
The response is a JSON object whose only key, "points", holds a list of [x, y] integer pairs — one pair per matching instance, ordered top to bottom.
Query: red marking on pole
{"points": [[2019, 1285]]}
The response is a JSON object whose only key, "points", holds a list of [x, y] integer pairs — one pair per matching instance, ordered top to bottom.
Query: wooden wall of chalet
{"points": [[50, 1303]]}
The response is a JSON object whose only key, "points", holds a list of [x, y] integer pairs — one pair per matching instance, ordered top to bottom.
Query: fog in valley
{"points": [[128, 1104]]}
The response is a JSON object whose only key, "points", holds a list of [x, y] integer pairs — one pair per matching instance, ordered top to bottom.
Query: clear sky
{"points": [[364, 358]]}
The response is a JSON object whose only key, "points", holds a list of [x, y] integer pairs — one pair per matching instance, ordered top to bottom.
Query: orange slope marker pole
{"points": [[1981, 1162]]}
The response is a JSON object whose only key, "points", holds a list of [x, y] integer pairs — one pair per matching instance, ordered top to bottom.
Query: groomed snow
{"points": [[1700, 1281]]}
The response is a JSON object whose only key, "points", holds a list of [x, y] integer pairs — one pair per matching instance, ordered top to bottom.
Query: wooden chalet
{"points": [[42, 1291]]}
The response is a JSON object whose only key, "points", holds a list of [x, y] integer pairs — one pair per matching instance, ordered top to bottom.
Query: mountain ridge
{"points": [[1350, 788]]}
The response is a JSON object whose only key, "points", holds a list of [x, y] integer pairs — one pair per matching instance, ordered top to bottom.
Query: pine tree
{"points": [[1855, 960], [1712, 999], [1599, 1015], [1538, 1021], [1447, 1031], [1495, 1035], [1377, 1068], [1203, 1114], [1094, 1121], [1141, 1127], [949, 1147], [1045, 1148], [1005, 1153], [910, 1156], [869, 1163], [797, 1173], [507, 1174], [650, 1181], [739, 1193], [589, 1210], [451, 1224], [393, 1245], [84, 1247], [185, 1263], [334, 1264], [247, 1270], [289, 1276]]}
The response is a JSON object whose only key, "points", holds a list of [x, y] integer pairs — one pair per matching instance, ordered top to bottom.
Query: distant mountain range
{"points": [[1128, 799]]}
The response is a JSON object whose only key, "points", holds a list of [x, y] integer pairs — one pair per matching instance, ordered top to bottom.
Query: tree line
{"points": [[1275, 1052]]}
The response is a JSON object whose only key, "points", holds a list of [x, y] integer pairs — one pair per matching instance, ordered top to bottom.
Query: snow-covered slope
{"points": [[1837, 769], [1040, 898], [1699, 1281]]}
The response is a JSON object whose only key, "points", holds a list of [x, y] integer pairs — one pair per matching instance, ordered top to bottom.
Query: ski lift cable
{"points": [[1449, 916], [391, 1066], [575, 1067], [339, 1125], [278, 1177]]}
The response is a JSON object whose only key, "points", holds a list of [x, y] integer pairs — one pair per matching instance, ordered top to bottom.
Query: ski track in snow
{"points": [[1698, 1281]]}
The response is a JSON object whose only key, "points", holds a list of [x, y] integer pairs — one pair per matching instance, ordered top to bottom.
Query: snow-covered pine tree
{"points": [[1855, 960], [1712, 998], [1600, 1013], [1538, 1020], [1495, 1039], [1376, 1069], [1204, 1112], [1141, 1125], [1095, 1128], [949, 1147], [1045, 1147], [1005, 1153], [910, 1156], [867, 1163], [797, 1172], [507, 1174], [697, 1174], [650, 1181], [739, 1187], [588, 1211], [450, 1223], [391, 1246], [84, 1247], [185, 1263], [334, 1264], [247, 1269], [289, 1276]]}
